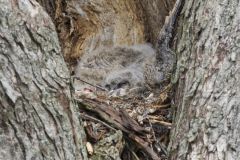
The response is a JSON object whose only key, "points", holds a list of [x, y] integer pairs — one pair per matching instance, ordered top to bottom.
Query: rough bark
{"points": [[208, 91], [38, 119]]}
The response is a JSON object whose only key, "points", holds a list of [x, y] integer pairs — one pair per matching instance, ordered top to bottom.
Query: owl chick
{"points": [[129, 67]]}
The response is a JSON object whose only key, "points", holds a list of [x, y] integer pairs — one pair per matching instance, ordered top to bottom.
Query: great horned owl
{"points": [[130, 67]]}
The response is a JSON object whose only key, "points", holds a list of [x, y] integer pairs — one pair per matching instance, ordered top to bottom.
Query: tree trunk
{"points": [[85, 25], [208, 90], [38, 119]]}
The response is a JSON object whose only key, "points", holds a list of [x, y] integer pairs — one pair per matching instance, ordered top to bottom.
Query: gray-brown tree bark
{"points": [[208, 91], [38, 119]]}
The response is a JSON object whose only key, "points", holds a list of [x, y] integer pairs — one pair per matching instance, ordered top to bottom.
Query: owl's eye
{"points": [[90, 65], [123, 84], [107, 86]]}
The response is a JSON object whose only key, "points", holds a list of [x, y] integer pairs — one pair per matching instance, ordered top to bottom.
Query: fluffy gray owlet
{"points": [[129, 67]]}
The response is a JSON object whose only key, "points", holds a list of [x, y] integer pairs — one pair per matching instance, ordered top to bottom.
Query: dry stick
{"points": [[96, 86], [160, 107], [102, 112], [154, 119], [97, 120], [166, 124], [154, 136], [144, 145], [163, 149], [134, 154]]}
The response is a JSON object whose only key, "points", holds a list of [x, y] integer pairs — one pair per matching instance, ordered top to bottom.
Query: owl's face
{"points": [[124, 81]]}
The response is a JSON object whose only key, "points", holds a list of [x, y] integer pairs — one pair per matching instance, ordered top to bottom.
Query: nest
{"points": [[127, 127]]}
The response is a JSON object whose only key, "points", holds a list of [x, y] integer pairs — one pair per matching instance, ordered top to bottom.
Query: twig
{"points": [[96, 86], [159, 107], [159, 118], [97, 120], [121, 121], [167, 124], [154, 136], [144, 145], [163, 148], [131, 150], [134, 154]]}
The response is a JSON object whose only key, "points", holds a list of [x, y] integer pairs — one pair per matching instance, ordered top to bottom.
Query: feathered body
{"points": [[131, 67]]}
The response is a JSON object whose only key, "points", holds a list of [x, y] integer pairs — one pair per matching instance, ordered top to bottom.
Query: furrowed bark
{"points": [[208, 90], [38, 119]]}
